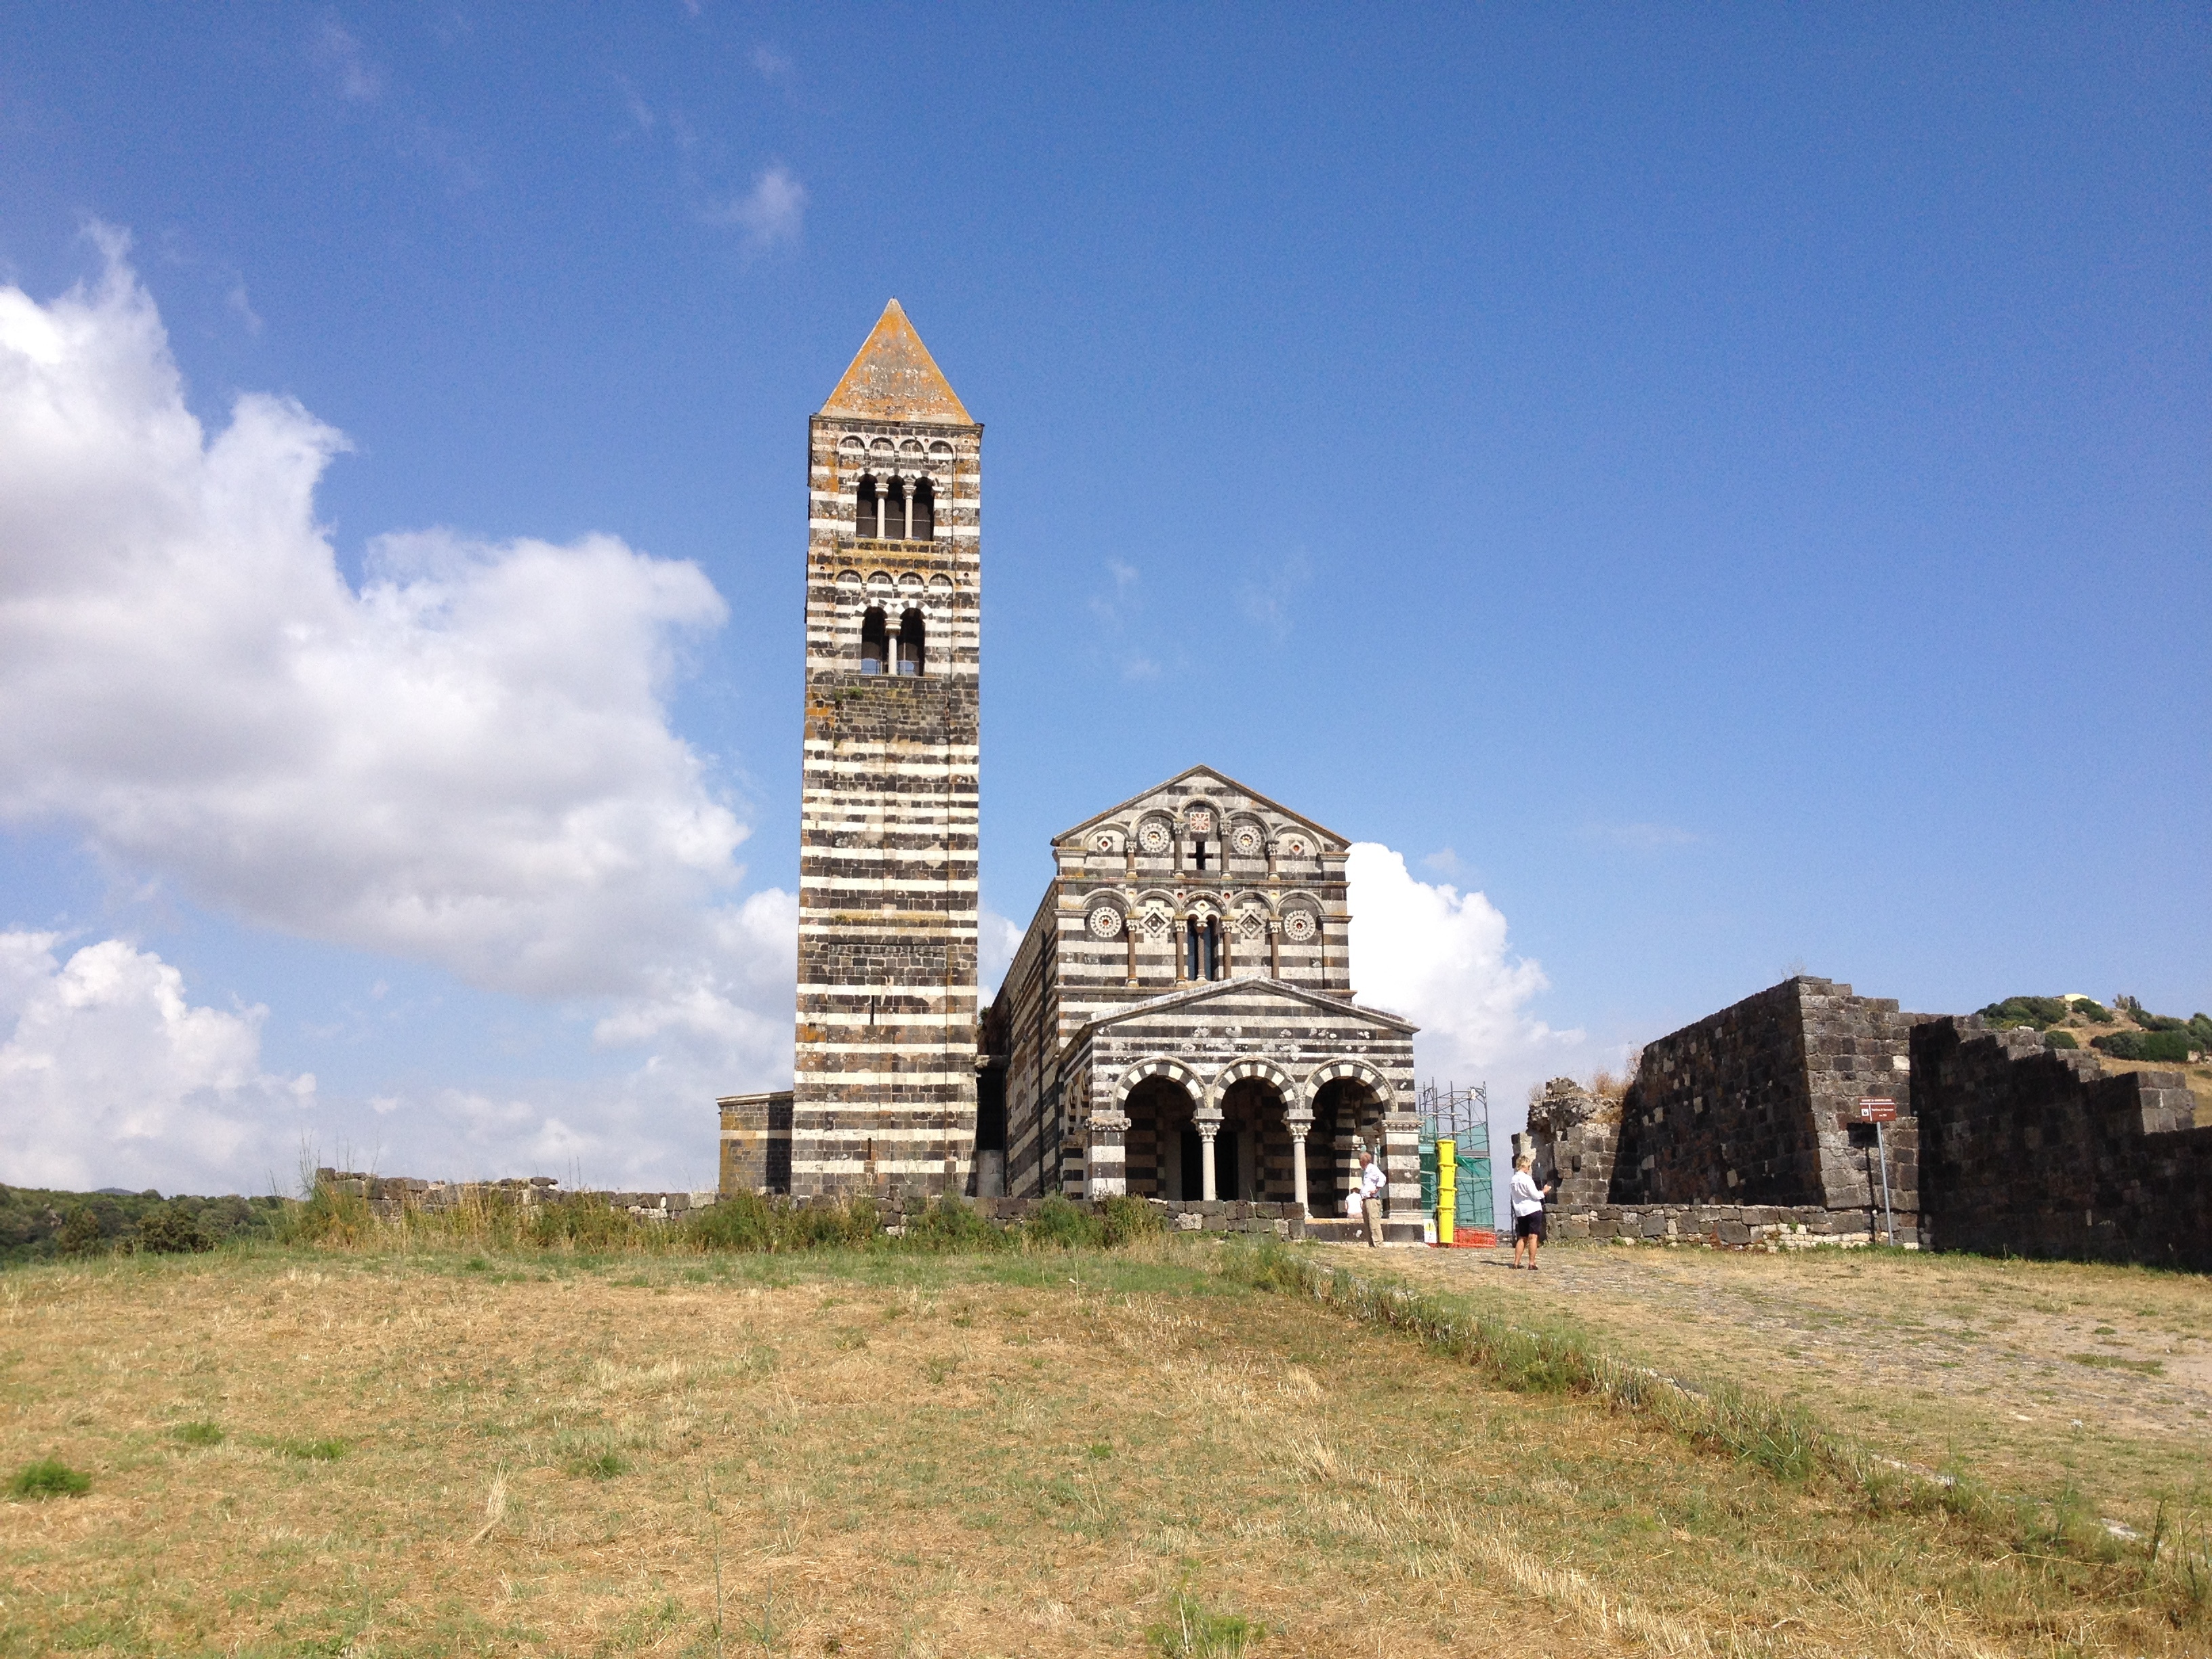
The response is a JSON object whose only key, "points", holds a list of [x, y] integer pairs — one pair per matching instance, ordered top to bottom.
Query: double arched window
{"points": [[893, 512], [883, 654]]}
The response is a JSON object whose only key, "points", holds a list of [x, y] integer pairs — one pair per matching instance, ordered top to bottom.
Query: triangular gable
{"points": [[894, 378], [1222, 778], [1214, 988]]}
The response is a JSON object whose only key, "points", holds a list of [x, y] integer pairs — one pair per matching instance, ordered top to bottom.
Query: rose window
{"points": [[1153, 838], [1105, 921], [1298, 924]]}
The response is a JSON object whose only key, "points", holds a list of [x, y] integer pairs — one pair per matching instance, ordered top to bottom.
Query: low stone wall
{"points": [[2029, 1151], [391, 1196], [1734, 1226]]}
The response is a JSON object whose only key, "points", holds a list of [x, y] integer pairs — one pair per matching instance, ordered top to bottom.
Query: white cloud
{"points": [[771, 64], [357, 80], [773, 211], [242, 308], [1266, 595], [466, 762], [998, 939], [1439, 956], [109, 1077]]}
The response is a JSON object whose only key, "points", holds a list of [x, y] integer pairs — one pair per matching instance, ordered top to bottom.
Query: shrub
{"points": [[2037, 1012], [2095, 1012], [2057, 1039], [2171, 1048], [327, 1216], [1128, 1218], [586, 1221], [747, 1221], [1057, 1224], [952, 1225], [84, 1230], [171, 1230], [49, 1478]]}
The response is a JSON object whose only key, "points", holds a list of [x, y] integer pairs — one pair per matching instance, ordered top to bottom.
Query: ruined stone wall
{"points": [[1758, 1105], [1574, 1138], [2028, 1150]]}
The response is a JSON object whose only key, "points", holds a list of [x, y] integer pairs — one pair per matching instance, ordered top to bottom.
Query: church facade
{"points": [[1179, 1021]]}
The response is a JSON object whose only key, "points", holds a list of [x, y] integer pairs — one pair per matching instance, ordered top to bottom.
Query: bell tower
{"points": [[883, 1093]]}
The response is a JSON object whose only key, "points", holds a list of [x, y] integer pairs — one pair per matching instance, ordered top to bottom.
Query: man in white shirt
{"points": [[1372, 1185], [1527, 1212]]}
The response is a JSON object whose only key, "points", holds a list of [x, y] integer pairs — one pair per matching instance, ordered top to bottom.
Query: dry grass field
{"points": [[293, 1451]]}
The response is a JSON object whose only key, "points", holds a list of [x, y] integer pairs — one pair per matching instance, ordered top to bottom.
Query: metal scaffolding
{"points": [[1462, 1116]]}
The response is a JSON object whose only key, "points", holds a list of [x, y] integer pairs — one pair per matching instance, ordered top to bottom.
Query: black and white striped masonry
{"points": [[1179, 1021], [883, 1093]]}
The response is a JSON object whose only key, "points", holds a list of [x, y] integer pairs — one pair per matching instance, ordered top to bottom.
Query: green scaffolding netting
{"points": [[1462, 1116]]}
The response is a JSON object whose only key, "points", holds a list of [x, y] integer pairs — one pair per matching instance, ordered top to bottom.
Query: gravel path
{"points": [[2024, 1366]]}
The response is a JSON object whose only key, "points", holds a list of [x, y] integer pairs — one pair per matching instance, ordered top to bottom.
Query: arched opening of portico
{"points": [[1161, 1113], [1347, 1116], [1252, 1153]]}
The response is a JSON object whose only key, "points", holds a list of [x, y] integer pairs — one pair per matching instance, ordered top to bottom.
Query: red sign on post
{"points": [[1873, 1109]]}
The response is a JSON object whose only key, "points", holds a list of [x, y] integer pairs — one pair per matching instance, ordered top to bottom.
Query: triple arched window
{"points": [[894, 511]]}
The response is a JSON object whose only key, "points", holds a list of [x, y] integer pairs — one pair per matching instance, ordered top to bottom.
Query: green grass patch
{"points": [[2112, 1362], [197, 1434], [314, 1451], [49, 1477], [1192, 1630]]}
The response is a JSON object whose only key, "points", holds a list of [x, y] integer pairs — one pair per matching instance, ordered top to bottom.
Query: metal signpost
{"points": [[1877, 1111]]}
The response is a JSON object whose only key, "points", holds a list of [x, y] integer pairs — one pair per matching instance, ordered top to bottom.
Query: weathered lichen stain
{"points": [[894, 378]]}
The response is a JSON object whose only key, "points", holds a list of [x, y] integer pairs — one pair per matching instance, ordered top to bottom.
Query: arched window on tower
{"points": [[895, 511], [925, 512], [867, 523], [875, 643], [910, 643]]}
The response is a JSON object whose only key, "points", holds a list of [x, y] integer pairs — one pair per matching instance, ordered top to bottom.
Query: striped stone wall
{"points": [[884, 1092]]}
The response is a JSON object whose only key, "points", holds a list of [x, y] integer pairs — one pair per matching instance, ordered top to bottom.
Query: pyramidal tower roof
{"points": [[894, 378]]}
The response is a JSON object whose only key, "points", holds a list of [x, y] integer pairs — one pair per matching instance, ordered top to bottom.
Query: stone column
{"points": [[1275, 940], [1208, 1119], [1298, 1121], [1106, 1161], [1401, 1167]]}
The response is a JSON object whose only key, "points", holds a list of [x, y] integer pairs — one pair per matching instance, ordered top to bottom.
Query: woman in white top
{"points": [[1527, 1212]]}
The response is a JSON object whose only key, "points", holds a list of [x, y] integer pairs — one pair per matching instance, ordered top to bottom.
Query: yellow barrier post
{"points": [[1447, 1189]]}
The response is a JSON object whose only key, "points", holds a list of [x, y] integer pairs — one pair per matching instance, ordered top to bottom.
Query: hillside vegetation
{"points": [[2129, 1035]]}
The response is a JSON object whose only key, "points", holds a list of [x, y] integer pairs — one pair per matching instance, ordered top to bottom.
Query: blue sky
{"points": [[1727, 485]]}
